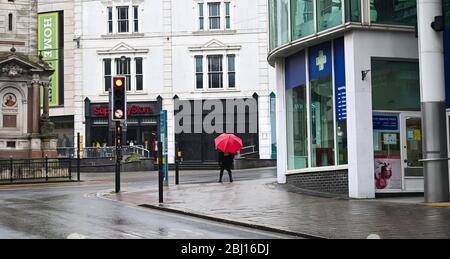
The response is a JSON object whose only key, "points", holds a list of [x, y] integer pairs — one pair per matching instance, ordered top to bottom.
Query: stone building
{"points": [[25, 132]]}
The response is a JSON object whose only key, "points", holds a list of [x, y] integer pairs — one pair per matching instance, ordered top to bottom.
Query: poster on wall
{"points": [[49, 44], [388, 173]]}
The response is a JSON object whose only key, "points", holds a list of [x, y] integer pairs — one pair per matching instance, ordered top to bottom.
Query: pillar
{"points": [[432, 77], [36, 104], [281, 123], [361, 169]]}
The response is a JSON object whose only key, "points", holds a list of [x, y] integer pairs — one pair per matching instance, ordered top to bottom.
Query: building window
{"points": [[353, 10], [393, 12], [217, 14], [329, 14], [227, 15], [201, 16], [214, 16], [136, 18], [302, 18], [122, 19], [110, 20], [279, 20], [10, 22], [124, 69], [133, 70], [215, 71], [231, 71], [199, 72], [107, 73], [220, 74], [139, 75], [403, 85], [316, 107], [322, 122]]}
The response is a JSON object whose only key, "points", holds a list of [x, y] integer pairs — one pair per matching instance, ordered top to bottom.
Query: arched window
{"points": [[10, 22]]}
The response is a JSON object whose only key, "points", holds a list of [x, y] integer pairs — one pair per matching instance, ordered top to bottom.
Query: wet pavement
{"points": [[264, 203], [74, 210]]}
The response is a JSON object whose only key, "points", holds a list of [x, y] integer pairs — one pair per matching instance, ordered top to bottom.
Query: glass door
{"points": [[412, 148]]}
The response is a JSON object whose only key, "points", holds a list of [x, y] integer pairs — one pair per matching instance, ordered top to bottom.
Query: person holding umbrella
{"points": [[228, 145]]}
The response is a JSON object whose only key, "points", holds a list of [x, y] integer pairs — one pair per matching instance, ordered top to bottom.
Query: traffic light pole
{"points": [[119, 115]]}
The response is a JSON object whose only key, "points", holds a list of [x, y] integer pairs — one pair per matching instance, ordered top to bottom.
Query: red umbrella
{"points": [[229, 143]]}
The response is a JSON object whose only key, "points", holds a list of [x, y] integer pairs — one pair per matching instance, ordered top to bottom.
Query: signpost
{"points": [[164, 151]]}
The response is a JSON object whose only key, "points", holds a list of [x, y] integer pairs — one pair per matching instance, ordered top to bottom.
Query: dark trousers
{"points": [[222, 170]]}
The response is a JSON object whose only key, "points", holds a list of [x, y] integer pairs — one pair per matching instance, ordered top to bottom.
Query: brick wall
{"points": [[334, 182]]}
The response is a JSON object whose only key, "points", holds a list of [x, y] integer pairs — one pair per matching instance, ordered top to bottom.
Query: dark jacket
{"points": [[226, 161]]}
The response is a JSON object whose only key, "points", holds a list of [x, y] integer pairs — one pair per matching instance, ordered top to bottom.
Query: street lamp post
{"points": [[433, 102]]}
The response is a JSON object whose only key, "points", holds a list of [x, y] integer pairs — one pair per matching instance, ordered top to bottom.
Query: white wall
{"points": [[168, 31], [360, 47]]}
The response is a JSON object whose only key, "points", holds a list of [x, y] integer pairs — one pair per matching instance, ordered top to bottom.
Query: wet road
{"points": [[75, 211]]}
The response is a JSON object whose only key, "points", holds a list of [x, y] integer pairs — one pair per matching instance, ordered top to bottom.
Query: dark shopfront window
{"points": [[393, 12], [142, 125], [201, 147]]}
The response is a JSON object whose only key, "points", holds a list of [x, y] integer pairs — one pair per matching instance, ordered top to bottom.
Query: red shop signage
{"points": [[132, 110]]}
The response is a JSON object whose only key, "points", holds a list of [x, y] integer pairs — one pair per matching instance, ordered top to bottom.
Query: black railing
{"points": [[30, 170]]}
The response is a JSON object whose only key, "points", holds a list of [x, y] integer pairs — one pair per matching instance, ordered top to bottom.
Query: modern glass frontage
{"points": [[395, 12], [329, 14], [308, 17], [302, 18], [279, 20], [402, 91], [316, 107], [297, 112]]}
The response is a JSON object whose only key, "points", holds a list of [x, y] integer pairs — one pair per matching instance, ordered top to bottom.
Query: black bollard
{"points": [[160, 173]]}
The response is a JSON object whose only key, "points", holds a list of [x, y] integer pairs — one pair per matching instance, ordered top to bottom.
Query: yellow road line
{"points": [[439, 204]]}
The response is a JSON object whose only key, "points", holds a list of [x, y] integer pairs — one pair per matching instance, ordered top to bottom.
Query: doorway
{"points": [[398, 151], [412, 152]]}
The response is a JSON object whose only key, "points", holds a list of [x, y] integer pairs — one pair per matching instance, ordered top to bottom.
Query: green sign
{"points": [[48, 45]]}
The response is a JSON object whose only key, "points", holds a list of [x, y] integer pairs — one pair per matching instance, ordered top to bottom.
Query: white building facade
{"points": [[171, 50]]}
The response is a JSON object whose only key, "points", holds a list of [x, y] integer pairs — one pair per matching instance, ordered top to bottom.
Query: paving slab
{"points": [[267, 205]]}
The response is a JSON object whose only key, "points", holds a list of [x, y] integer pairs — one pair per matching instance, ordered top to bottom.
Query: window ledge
{"points": [[215, 32], [123, 36], [203, 91], [128, 94], [318, 170]]}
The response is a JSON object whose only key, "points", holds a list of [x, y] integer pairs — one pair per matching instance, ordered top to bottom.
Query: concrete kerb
{"points": [[232, 222]]}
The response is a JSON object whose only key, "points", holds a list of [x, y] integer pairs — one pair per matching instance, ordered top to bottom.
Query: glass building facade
{"points": [[292, 20], [316, 107]]}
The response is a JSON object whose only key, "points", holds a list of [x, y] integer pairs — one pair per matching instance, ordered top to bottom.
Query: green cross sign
{"points": [[321, 60]]}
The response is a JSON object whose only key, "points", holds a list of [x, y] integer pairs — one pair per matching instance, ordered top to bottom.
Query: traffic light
{"points": [[119, 105]]}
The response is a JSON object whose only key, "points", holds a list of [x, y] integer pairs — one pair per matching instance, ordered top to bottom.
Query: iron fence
{"points": [[104, 152], [26, 170]]}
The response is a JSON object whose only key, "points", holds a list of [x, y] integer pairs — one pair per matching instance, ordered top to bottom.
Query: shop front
{"points": [[351, 123], [397, 126], [141, 127], [196, 141]]}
